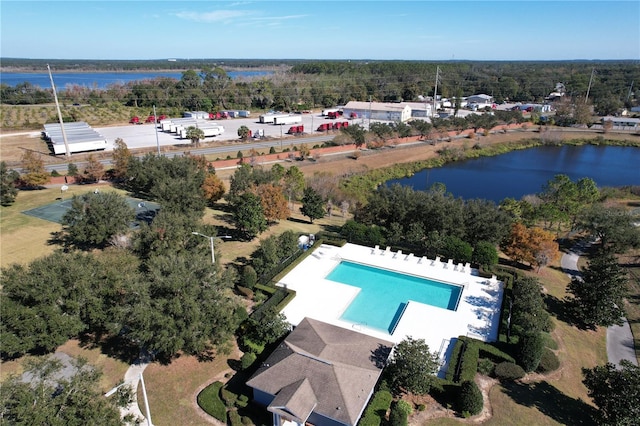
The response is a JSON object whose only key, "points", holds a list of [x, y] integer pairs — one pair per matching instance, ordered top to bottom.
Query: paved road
{"points": [[619, 338]]}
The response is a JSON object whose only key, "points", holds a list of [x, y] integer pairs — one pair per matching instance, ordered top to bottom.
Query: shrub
{"points": [[55, 173], [249, 277], [246, 292], [549, 342], [530, 349], [247, 359], [454, 360], [548, 362], [485, 366], [508, 371], [229, 397], [209, 400], [470, 400], [242, 402], [421, 407], [377, 409], [398, 415], [234, 418]]}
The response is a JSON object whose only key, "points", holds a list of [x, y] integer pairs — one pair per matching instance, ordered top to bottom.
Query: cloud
{"points": [[214, 16]]}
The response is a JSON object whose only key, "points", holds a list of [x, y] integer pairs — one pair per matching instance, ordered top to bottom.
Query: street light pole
{"points": [[211, 238], [213, 254], [146, 401]]}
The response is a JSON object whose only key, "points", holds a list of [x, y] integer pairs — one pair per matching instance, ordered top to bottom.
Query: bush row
{"points": [[376, 409]]}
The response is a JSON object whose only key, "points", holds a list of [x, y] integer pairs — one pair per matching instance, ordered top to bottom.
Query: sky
{"points": [[329, 29]]}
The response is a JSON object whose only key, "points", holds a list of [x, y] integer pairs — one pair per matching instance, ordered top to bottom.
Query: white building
{"points": [[482, 100], [377, 111], [623, 123]]}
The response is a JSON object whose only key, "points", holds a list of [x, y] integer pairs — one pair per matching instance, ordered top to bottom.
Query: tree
{"points": [[243, 132], [357, 133], [195, 135], [304, 151], [121, 159], [72, 170], [94, 170], [35, 174], [293, 183], [213, 188], [8, 190], [273, 202], [312, 204], [248, 215], [96, 217], [611, 225], [533, 245], [456, 249], [485, 254], [249, 277], [598, 297], [41, 303], [185, 306], [528, 312], [271, 327], [530, 348], [413, 367], [616, 392], [49, 398], [470, 398], [399, 413]]}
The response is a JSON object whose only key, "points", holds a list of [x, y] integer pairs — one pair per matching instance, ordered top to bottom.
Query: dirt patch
{"points": [[434, 410]]}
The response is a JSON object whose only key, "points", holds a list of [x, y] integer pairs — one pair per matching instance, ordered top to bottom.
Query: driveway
{"points": [[619, 338]]}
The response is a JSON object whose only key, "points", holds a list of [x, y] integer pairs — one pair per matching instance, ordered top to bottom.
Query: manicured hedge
{"points": [[489, 351], [470, 357], [248, 358], [454, 361], [509, 371], [209, 400], [377, 409]]}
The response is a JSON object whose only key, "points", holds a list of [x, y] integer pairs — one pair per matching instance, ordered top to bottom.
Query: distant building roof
{"points": [[376, 106], [322, 368]]}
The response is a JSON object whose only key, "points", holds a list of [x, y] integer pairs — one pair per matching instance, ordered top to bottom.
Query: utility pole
{"points": [[593, 71], [630, 91], [435, 92], [55, 97], [155, 123], [369, 125]]}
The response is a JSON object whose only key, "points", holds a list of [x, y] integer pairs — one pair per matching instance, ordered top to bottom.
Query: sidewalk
{"points": [[619, 338]]}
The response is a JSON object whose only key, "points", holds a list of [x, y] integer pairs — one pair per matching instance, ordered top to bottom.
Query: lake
{"points": [[100, 80], [524, 172]]}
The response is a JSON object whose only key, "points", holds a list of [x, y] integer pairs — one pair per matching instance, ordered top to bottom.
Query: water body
{"points": [[100, 80], [524, 172]]}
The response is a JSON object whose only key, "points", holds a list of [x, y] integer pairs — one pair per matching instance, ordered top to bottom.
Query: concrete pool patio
{"points": [[477, 314]]}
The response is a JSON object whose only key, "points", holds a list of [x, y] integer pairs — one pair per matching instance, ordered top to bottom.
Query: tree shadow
{"points": [[561, 309], [113, 346], [380, 355], [551, 402]]}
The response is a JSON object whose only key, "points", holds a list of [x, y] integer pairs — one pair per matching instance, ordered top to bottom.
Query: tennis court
{"points": [[145, 210]]}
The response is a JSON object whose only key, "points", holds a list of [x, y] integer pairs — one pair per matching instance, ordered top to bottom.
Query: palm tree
{"points": [[195, 135]]}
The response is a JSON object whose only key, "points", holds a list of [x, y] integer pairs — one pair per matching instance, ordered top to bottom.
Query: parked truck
{"points": [[326, 111], [334, 114], [270, 118], [287, 119], [208, 130], [296, 130]]}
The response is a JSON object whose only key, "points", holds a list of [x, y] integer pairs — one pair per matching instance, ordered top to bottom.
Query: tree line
{"points": [[300, 85]]}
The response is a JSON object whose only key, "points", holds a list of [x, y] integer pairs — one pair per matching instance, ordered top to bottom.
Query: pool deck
{"points": [[477, 315]]}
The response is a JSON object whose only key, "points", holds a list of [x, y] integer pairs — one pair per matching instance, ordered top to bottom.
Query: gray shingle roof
{"points": [[340, 366]]}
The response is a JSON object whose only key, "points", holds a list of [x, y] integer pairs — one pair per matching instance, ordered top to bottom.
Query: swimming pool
{"points": [[384, 294]]}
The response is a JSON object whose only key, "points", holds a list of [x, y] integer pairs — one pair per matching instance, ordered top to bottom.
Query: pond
{"points": [[524, 172]]}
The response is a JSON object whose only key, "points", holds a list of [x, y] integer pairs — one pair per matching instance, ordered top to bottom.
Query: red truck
{"points": [[334, 114], [153, 119], [134, 120], [340, 125], [325, 127], [296, 130]]}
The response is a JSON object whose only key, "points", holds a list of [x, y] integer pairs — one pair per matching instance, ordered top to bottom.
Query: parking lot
{"points": [[144, 135]]}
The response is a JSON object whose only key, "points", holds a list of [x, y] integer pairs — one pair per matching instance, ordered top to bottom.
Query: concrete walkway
{"points": [[619, 338], [132, 378]]}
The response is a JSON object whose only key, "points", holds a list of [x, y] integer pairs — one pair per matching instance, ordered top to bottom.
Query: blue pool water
{"points": [[384, 294]]}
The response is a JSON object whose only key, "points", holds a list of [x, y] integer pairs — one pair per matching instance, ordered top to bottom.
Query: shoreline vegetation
{"points": [[370, 180]]}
